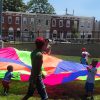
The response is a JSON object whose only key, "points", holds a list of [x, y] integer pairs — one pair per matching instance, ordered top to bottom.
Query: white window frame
{"points": [[2, 19], [9, 19], [17, 20], [24, 20], [32, 21], [47, 22], [60, 23], [67, 23], [75, 24], [89, 24], [54, 25]]}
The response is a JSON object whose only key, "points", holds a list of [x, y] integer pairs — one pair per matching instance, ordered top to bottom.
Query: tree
{"points": [[14, 5], [40, 6]]}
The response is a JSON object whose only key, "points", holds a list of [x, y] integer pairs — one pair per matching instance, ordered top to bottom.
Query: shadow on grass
{"points": [[68, 91]]}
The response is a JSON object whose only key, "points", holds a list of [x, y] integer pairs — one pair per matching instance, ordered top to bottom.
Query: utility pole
{"points": [[1, 18]]}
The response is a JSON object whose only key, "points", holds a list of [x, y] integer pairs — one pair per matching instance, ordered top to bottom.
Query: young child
{"points": [[47, 47], [84, 51], [83, 59], [7, 78], [36, 80], [89, 86]]}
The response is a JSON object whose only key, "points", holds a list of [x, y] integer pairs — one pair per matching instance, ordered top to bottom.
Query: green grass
{"points": [[69, 91]]}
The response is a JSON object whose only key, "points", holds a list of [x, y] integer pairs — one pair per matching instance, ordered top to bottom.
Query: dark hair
{"points": [[47, 40], [39, 42], [94, 62], [9, 67]]}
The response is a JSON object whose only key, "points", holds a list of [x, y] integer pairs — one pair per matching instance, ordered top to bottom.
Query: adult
{"points": [[35, 81]]}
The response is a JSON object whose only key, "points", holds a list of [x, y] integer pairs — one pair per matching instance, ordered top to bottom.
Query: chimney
{"points": [[66, 11], [73, 12]]}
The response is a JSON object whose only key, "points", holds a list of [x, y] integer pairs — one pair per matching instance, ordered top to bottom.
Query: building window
{"points": [[2, 19], [9, 19], [17, 20], [24, 20], [32, 21], [39, 21], [47, 22], [54, 23], [61, 23], [68, 23], [75, 24], [82, 24], [88, 24]]}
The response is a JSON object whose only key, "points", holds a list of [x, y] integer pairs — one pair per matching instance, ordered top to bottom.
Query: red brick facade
{"points": [[11, 23], [66, 27]]}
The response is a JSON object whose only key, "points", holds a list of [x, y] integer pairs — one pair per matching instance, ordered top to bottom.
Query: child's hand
{"points": [[87, 68], [17, 75], [43, 76]]}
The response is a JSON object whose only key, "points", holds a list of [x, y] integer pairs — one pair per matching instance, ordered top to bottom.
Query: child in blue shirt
{"points": [[7, 78], [89, 86]]}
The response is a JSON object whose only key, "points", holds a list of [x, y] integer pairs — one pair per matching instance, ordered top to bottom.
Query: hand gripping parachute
{"points": [[57, 71]]}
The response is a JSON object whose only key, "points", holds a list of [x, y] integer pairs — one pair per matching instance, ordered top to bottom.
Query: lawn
{"points": [[69, 91]]}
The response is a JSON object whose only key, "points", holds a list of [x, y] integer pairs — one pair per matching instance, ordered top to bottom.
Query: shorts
{"points": [[5, 84], [89, 87]]}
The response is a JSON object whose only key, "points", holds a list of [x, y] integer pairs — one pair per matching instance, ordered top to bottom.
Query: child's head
{"points": [[39, 42], [94, 62], [10, 68]]}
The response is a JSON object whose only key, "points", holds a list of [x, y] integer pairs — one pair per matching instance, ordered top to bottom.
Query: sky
{"points": [[88, 8]]}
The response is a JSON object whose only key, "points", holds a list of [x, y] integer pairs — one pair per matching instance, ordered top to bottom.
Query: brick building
{"points": [[11, 24], [28, 26], [63, 27]]}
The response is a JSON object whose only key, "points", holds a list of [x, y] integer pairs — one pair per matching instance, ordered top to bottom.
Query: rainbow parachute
{"points": [[57, 71]]}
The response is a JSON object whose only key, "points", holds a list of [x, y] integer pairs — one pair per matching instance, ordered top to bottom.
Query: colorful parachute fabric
{"points": [[57, 71]]}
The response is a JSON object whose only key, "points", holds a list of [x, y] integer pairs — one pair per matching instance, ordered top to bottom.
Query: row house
{"points": [[11, 24], [18, 25], [42, 25], [28, 26], [69, 26], [86, 26], [63, 27], [96, 31]]}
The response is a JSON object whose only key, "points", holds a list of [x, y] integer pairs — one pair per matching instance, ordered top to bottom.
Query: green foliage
{"points": [[14, 5], [40, 6], [70, 58]]}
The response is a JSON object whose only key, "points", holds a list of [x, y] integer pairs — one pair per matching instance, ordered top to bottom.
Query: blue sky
{"points": [[89, 8]]}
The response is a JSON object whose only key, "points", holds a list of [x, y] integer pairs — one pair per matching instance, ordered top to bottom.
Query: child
{"points": [[47, 47], [84, 51], [83, 59], [7, 78], [36, 80], [89, 86]]}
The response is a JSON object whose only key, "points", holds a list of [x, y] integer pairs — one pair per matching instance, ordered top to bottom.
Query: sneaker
{"points": [[5, 94]]}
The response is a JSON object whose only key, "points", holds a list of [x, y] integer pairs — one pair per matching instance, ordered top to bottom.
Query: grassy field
{"points": [[69, 91]]}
